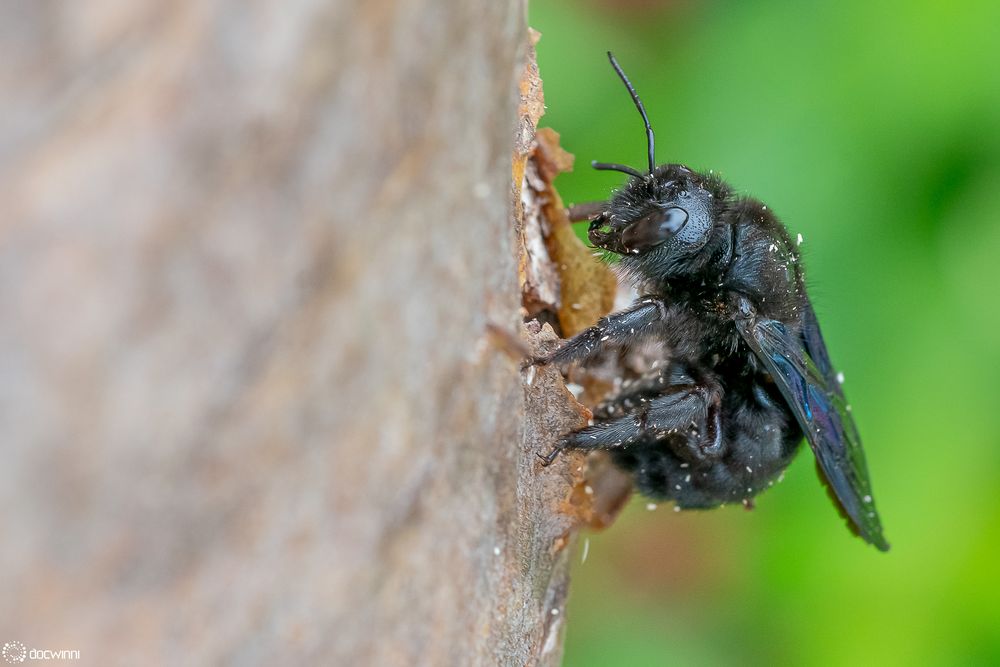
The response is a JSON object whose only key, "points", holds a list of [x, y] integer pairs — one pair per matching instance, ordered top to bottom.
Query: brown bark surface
{"points": [[260, 315]]}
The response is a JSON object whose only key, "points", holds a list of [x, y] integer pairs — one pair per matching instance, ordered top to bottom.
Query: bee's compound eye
{"points": [[674, 218], [653, 229]]}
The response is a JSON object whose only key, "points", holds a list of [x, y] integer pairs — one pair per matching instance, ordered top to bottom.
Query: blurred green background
{"points": [[873, 129]]}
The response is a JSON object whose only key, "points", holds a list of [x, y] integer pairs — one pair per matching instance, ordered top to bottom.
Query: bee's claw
{"points": [[547, 459]]}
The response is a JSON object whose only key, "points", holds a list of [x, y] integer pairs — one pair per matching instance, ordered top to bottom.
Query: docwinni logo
{"points": [[16, 652]]}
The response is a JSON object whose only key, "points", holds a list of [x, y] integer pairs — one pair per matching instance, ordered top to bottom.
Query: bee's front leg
{"points": [[625, 326]]}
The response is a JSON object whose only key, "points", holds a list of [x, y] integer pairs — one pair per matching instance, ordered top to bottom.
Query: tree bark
{"points": [[260, 390]]}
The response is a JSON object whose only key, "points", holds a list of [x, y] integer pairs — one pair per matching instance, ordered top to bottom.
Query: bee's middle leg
{"points": [[688, 418]]}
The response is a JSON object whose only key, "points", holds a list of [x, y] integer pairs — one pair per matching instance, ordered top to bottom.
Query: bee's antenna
{"points": [[642, 112], [607, 166]]}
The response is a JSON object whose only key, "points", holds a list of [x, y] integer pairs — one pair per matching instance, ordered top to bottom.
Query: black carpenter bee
{"points": [[746, 373]]}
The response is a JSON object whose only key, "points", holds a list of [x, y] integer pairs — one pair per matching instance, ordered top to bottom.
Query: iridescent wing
{"points": [[800, 366]]}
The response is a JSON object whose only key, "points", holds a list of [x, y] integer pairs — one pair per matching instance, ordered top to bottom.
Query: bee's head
{"points": [[669, 212], [662, 217]]}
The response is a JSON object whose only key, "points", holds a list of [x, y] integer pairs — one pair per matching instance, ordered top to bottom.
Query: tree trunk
{"points": [[260, 395]]}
